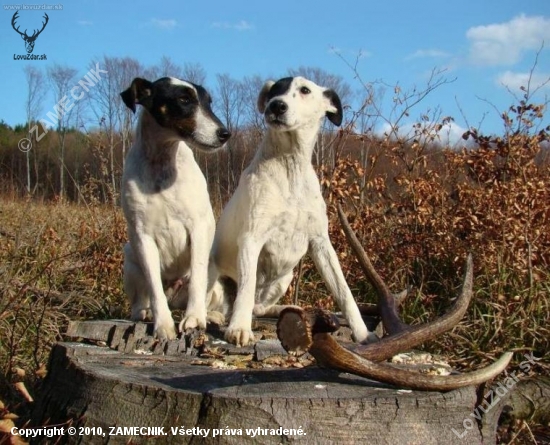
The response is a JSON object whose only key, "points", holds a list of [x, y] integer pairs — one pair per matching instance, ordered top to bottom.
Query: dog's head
{"points": [[295, 102], [181, 107]]}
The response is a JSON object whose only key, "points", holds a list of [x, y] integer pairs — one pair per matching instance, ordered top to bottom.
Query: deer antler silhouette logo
{"points": [[29, 40]]}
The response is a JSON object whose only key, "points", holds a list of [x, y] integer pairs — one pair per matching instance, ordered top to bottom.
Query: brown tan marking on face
{"points": [[187, 126]]}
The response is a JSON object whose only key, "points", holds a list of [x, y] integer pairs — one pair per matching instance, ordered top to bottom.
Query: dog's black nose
{"points": [[278, 107], [223, 135]]}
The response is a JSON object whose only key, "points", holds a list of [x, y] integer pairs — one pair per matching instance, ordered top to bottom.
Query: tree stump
{"points": [[130, 379]]}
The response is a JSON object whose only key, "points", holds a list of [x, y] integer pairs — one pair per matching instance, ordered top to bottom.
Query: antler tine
{"points": [[13, 19], [46, 22], [36, 33], [386, 300], [415, 335], [329, 353]]}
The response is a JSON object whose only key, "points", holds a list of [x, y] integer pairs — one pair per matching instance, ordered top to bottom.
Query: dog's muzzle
{"points": [[277, 107], [275, 112], [223, 135]]}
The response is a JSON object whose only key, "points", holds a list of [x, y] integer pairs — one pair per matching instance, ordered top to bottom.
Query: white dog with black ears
{"points": [[166, 203], [277, 213]]}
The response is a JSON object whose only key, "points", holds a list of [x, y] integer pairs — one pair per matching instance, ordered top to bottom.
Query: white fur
{"points": [[176, 81], [277, 214], [170, 227]]}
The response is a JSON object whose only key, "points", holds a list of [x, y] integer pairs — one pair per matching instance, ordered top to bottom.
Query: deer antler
{"points": [[13, 19], [36, 32], [386, 300], [301, 331], [329, 353]]}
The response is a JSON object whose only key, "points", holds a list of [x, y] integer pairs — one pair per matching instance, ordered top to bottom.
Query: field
{"points": [[62, 261]]}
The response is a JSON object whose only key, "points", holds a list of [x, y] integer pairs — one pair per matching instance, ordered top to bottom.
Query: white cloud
{"points": [[85, 23], [164, 23], [243, 25], [505, 43], [424, 53], [514, 81], [450, 134]]}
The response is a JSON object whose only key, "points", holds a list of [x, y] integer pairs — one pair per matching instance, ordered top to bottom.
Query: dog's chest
{"points": [[167, 209], [293, 211], [163, 212], [169, 213], [168, 223], [288, 239], [286, 244]]}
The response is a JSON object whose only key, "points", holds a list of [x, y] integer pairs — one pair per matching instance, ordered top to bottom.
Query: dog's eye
{"points": [[305, 90], [185, 100]]}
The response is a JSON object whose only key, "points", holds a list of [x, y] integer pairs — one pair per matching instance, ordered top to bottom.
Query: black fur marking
{"points": [[279, 88], [138, 93], [205, 101], [175, 106], [337, 117]]}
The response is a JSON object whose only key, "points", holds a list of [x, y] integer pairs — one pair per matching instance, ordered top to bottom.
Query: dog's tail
{"points": [[222, 295], [220, 300]]}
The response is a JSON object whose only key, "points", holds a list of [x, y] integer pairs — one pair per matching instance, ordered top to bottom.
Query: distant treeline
{"points": [[78, 130], [75, 149]]}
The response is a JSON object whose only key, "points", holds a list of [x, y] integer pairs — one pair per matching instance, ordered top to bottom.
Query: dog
{"points": [[166, 203], [277, 212]]}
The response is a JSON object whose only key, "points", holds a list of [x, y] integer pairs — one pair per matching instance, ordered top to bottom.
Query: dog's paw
{"points": [[259, 310], [141, 314], [215, 317], [192, 322], [165, 330], [239, 336]]}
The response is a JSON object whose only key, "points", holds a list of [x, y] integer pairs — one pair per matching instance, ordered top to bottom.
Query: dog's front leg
{"points": [[149, 259], [327, 264], [195, 313], [239, 330]]}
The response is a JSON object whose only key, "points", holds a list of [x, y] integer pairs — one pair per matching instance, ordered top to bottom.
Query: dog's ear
{"points": [[139, 93], [262, 98], [335, 113]]}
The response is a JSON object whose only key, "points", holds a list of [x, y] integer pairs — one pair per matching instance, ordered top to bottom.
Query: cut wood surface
{"points": [[127, 378]]}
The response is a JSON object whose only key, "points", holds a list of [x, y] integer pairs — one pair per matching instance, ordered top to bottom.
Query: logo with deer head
{"points": [[29, 40]]}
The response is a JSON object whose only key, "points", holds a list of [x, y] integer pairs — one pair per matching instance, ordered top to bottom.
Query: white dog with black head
{"points": [[166, 203], [277, 213]]}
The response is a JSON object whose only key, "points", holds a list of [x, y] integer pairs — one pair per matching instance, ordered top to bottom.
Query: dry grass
{"points": [[64, 261], [58, 262]]}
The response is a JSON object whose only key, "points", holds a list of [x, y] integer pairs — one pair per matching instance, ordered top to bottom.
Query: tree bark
{"points": [[106, 386], [528, 400]]}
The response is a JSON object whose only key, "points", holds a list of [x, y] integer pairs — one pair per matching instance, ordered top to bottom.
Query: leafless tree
{"points": [[165, 68], [129, 69], [192, 72], [62, 79], [250, 88], [36, 90], [229, 102], [229, 105], [112, 116], [363, 124], [410, 144]]}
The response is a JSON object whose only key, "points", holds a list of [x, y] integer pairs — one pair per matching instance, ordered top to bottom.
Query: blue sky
{"points": [[481, 43]]}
